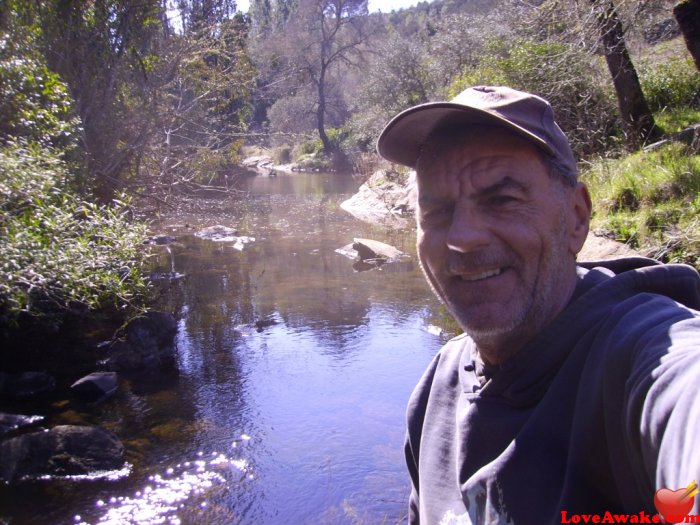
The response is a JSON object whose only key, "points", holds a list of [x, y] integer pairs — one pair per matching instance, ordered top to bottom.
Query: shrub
{"points": [[674, 83], [34, 102], [57, 250]]}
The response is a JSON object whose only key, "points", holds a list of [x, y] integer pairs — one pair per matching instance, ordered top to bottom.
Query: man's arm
{"points": [[664, 398]]}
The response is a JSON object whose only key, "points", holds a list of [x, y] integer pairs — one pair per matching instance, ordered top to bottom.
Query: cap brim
{"points": [[401, 140]]}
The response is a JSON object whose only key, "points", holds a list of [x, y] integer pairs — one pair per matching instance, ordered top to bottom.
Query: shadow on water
{"points": [[294, 371]]}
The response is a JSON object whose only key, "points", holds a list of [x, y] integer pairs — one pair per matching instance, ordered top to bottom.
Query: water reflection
{"points": [[294, 371], [324, 381], [163, 500]]}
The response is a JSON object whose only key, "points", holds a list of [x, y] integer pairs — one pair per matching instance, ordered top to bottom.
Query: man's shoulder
{"points": [[621, 279], [453, 351]]}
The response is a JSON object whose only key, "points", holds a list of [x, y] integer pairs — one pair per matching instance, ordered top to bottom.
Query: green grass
{"points": [[677, 119], [650, 201]]}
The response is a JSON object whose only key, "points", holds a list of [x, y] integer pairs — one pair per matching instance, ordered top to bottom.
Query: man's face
{"points": [[497, 236]]}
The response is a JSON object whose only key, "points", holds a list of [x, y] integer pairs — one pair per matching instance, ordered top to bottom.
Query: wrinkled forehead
{"points": [[450, 142]]}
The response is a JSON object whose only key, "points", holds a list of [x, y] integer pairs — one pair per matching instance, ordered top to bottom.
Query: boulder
{"points": [[258, 161], [385, 199], [160, 239], [599, 248], [369, 249], [370, 254], [146, 342], [96, 386], [11, 422], [65, 450]]}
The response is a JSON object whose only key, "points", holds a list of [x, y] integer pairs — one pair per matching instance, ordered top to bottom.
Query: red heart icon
{"points": [[674, 504]]}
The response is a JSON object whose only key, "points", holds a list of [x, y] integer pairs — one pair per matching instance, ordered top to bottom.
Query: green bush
{"points": [[674, 83], [34, 102], [311, 147], [57, 250]]}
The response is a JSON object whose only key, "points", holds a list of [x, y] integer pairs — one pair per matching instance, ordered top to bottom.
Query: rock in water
{"points": [[218, 233], [370, 249], [146, 342], [29, 384], [96, 386], [11, 422], [65, 450]]}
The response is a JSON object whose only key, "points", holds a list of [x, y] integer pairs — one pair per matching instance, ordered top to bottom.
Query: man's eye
{"points": [[501, 200], [436, 215]]}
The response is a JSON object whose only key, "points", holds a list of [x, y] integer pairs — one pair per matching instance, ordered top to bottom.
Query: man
{"points": [[573, 391]]}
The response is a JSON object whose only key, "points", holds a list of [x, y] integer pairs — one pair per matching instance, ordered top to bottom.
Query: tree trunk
{"points": [[687, 15], [634, 110], [321, 111]]}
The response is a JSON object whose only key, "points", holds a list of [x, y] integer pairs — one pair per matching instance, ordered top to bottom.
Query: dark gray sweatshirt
{"points": [[592, 417]]}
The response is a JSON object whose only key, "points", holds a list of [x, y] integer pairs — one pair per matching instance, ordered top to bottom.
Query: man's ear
{"points": [[580, 217]]}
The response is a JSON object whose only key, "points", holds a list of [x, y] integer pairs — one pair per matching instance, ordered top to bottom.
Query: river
{"points": [[293, 374]]}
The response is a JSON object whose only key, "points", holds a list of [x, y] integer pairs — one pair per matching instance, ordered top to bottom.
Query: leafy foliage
{"points": [[671, 84], [34, 102], [57, 250]]}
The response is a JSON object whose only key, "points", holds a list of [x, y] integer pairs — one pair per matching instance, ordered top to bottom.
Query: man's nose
{"points": [[468, 231]]}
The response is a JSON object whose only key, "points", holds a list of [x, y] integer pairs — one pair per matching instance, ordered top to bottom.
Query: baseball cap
{"points": [[528, 115]]}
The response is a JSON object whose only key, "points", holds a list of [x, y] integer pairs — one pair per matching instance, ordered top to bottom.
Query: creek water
{"points": [[293, 372]]}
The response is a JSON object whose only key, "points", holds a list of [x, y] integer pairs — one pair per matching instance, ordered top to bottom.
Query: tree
{"points": [[260, 13], [687, 13], [321, 37], [460, 40], [104, 50], [396, 78], [160, 102], [202, 105], [634, 110]]}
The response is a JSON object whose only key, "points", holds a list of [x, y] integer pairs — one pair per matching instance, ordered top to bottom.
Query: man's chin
{"points": [[485, 324]]}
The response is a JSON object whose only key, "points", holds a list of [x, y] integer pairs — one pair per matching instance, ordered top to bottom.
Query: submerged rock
{"points": [[218, 233], [241, 242], [146, 342], [11, 422], [65, 450]]}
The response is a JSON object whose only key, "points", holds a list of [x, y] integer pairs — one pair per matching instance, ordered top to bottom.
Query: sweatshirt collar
{"points": [[524, 379]]}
